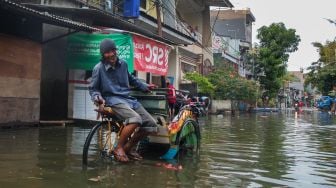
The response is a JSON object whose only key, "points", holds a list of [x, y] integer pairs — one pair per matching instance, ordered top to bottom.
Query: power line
{"points": [[187, 29]]}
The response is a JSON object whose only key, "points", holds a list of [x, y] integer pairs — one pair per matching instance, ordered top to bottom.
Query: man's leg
{"points": [[170, 109], [173, 110], [132, 121], [148, 127], [126, 132], [129, 146]]}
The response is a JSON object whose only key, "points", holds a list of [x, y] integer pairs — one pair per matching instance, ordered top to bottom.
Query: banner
{"points": [[83, 50], [150, 56]]}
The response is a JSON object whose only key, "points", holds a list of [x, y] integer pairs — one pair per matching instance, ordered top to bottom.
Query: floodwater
{"points": [[250, 150]]}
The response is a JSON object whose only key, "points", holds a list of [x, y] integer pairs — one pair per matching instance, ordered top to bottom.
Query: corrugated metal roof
{"points": [[45, 16]]}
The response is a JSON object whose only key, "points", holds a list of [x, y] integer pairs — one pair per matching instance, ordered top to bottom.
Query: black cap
{"points": [[107, 45]]}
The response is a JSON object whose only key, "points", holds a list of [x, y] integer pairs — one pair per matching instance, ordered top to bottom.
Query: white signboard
{"points": [[80, 105]]}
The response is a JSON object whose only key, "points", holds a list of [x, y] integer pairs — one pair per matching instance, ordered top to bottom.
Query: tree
{"points": [[276, 43], [252, 62], [322, 73], [289, 77], [203, 84], [229, 85]]}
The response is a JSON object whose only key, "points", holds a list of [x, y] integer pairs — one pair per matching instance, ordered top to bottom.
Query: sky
{"points": [[306, 16]]}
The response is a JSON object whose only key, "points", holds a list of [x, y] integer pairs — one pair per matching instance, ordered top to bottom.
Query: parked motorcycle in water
{"points": [[325, 103]]}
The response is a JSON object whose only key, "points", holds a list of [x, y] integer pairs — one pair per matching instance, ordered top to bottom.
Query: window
{"points": [[188, 68]]}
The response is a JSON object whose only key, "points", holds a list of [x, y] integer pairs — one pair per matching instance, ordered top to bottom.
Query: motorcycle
{"points": [[325, 103]]}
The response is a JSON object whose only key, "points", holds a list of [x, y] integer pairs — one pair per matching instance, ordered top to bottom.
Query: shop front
{"points": [[143, 55]]}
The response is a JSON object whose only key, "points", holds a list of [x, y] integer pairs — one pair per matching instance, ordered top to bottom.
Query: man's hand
{"points": [[151, 86], [99, 100]]}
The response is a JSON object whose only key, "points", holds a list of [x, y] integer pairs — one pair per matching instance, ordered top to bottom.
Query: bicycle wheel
{"points": [[189, 138], [99, 144]]}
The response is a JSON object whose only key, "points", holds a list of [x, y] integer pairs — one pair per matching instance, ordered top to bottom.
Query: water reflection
{"points": [[262, 150]]}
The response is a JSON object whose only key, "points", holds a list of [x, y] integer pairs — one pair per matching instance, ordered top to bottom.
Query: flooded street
{"points": [[262, 150]]}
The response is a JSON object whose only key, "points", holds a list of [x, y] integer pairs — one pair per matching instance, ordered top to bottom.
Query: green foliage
{"points": [[276, 42], [252, 62], [322, 74], [288, 77], [203, 84], [229, 85], [332, 93], [272, 103]]}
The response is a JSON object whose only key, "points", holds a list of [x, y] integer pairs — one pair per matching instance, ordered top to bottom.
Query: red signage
{"points": [[150, 56]]}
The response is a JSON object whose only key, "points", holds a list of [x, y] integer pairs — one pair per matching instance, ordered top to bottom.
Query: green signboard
{"points": [[83, 50]]}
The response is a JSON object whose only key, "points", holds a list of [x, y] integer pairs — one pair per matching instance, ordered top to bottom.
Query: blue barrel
{"points": [[131, 8], [242, 106]]}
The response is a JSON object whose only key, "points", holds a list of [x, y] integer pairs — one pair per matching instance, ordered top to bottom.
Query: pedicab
{"points": [[181, 135]]}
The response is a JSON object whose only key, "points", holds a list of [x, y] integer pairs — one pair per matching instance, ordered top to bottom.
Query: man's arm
{"points": [[135, 82], [94, 87]]}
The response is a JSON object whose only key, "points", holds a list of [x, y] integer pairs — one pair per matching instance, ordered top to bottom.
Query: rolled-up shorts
{"points": [[135, 116]]}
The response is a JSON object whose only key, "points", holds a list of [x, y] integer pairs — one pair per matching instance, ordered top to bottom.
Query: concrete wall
{"points": [[194, 20], [206, 28], [231, 28], [249, 33], [193, 48], [174, 67], [20, 70], [220, 105]]}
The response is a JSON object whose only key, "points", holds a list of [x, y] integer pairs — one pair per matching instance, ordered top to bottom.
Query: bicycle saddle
{"points": [[107, 111]]}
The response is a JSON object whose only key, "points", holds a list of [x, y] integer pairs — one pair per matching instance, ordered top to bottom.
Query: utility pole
{"points": [[158, 4], [158, 12]]}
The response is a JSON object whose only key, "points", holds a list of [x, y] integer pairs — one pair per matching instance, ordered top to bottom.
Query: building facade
{"points": [[232, 38], [25, 57], [42, 81]]}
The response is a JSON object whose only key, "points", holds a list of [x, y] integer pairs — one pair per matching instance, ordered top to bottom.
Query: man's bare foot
{"points": [[120, 155], [134, 155]]}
